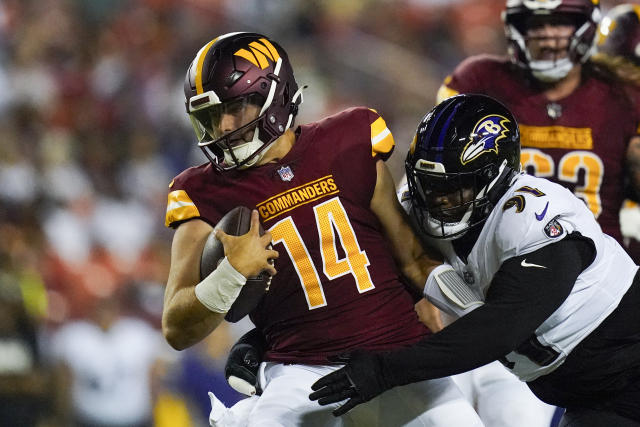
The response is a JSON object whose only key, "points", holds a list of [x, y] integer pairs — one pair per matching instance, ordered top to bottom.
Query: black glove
{"points": [[241, 369], [359, 381]]}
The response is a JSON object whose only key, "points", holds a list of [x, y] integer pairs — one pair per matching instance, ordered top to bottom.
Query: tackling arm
{"points": [[406, 248], [414, 262], [518, 301]]}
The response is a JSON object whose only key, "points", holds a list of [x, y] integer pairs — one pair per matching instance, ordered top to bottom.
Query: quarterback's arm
{"points": [[633, 167], [414, 262], [185, 321]]}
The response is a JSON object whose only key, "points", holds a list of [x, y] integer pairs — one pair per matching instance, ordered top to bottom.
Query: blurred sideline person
{"points": [[618, 51], [550, 84], [327, 200], [533, 279], [108, 366], [25, 380]]}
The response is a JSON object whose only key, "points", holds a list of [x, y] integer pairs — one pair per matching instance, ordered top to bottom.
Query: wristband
{"points": [[220, 289]]}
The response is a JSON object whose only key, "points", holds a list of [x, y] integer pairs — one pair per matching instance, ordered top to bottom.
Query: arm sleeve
{"points": [[519, 300]]}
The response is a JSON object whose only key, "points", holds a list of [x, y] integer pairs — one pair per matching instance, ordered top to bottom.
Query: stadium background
{"points": [[93, 127]]}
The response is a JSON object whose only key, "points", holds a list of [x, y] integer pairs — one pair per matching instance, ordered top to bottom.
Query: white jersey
{"points": [[533, 213]]}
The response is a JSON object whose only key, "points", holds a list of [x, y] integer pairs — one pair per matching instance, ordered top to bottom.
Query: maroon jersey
{"points": [[579, 141], [337, 286]]}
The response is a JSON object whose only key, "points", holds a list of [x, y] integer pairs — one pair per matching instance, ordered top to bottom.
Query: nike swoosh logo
{"points": [[541, 215], [524, 263]]}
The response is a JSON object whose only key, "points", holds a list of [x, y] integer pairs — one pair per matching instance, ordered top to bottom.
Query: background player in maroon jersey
{"points": [[579, 128], [328, 203]]}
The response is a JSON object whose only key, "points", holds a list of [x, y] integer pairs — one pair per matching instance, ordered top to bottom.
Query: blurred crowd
{"points": [[93, 128]]}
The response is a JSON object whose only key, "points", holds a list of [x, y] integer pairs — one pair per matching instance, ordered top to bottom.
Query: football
{"points": [[236, 222]]}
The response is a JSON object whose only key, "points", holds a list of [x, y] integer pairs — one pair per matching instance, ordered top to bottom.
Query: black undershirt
{"points": [[518, 301]]}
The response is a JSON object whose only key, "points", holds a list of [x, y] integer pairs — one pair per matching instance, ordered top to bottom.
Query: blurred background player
{"points": [[618, 51], [549, 83], [328, 203], [108, 367]]}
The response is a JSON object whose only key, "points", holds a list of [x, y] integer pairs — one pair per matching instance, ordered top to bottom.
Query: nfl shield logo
{"points": [[286, 174], [553, 229]]}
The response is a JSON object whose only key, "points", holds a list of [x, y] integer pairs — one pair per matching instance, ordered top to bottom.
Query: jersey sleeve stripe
{"points": [[445, 92], [378, 127], [381, 138], [384, 145], [180, 207]]}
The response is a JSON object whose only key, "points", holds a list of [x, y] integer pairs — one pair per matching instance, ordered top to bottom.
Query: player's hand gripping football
{"points": [[248, 253], [359, 381]]}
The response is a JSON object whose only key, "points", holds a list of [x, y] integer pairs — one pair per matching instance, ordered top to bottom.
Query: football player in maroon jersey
{"points": [[340, 239]]}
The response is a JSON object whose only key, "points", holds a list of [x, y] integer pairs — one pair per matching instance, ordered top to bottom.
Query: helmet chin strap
{"points": [[243, 151]]}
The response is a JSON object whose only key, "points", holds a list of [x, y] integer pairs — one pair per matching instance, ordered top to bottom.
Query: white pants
{"points": [[501, 399], [285, 402]]}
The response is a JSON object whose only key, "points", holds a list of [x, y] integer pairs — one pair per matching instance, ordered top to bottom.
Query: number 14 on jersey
{"points": [[331, 218]]}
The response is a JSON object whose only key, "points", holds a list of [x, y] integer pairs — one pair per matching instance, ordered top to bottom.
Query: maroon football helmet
{"points": [[584, 14], [619, 33], [247, 75]]}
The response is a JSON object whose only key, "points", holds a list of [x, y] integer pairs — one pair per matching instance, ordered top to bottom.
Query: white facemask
{"points": [[550, 71], [243, 151]]}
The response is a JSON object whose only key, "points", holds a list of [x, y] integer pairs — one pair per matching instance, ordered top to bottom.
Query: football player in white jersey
{"points": [[534, 281], [499, 397]]}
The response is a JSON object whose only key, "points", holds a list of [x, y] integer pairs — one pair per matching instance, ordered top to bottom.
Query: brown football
{"points": [[236, 222]]}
